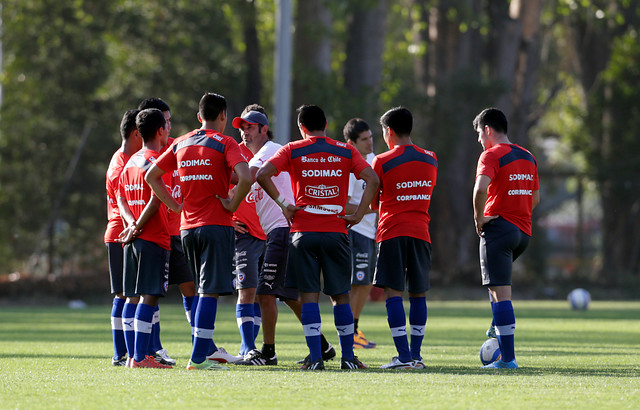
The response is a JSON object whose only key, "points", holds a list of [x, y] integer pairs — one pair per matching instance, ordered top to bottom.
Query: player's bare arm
{"points": [[153, 177], [263, 177], [372, 183], [241, 190], [479, 200], [134, 229]]}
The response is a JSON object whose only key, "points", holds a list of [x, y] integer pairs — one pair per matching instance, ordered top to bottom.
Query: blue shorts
{"points": [[500, 244], [209, 250], [313, 252], [115, 253], [248, 257], [363, 258], [403, 260], [274, 266], [146, 268], [178, 270]]}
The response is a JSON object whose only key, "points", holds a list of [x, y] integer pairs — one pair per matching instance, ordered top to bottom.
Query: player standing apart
{"points": [[255, 132], [131, 143], [205, 159], [319, 168], [407, 177], [505, 192], [362, 237], [146, 238]]}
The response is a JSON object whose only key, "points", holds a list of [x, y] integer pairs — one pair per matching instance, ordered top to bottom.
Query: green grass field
{"points": [[54, 357]]}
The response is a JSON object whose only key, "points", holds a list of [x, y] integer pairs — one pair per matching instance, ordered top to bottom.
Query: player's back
{"points": [[204, 160], [407, 175], [114, 225]]}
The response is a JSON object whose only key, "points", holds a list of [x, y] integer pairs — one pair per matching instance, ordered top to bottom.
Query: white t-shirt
{"points": [[268, 211], [367, 225]]}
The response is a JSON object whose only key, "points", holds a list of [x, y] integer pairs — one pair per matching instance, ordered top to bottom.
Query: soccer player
{"points": [[256, 135], [131, 143], [205, 160], [319, 168], [407, 176], [505, 192], [362, 237], [146, 239], [249, 251], [179, 273]]}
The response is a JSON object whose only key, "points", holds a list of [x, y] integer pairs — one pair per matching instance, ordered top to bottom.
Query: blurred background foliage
{"points": [[565, 72]]}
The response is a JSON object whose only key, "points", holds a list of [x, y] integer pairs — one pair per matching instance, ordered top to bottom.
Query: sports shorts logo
{"points": [[322, 191], [360, 275], [241, 277]]}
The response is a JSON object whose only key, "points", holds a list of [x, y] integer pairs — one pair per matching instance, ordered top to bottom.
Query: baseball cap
{"points": [[252, 117]]}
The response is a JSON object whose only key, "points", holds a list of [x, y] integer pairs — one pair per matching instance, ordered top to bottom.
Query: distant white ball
{"points": [[579, 299], [490, 351]]}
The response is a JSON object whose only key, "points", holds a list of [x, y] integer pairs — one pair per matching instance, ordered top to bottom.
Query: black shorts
{"points": [[500, 244], [209, 250], [313, 252], [115, 253], [248, 257], [363, 258], [403, 260], [274, 266], [146, 268], [178, 270]]}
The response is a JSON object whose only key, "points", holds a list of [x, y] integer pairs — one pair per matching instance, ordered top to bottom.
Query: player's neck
{"points": [[217, 126], [398, 141], [154, 145], [130, 147]]}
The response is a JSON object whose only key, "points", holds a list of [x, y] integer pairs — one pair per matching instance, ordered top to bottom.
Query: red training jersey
{"points": [[204, 160], [319, 168], [407, 177], [514, 178], [172, 179], [137, 193], [246, 212], [114, 225]]}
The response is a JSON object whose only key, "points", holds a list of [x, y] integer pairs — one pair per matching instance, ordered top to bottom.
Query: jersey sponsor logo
{"points": [[308, 159], [334, 159], [194, 163], [175, 173], [307, 173], [201, 177], [520, 177], [413, 184], [134, 187], [322, 191], [176, 192], [520, 192], [423, 197], [250, 198], [135, 202], [323, 209]]}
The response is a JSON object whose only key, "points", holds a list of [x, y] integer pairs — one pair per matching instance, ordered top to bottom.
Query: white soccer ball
{"points": [[579, 299], [490, 351]]}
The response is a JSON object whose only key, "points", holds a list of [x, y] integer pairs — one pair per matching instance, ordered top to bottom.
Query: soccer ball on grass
{"points": [[579, 299], [490, 351]]}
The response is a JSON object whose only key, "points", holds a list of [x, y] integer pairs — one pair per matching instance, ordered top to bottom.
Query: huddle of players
{"points": [[300, 194]]}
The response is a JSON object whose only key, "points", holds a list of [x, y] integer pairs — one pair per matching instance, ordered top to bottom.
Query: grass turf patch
{"points": [[54, 357]]}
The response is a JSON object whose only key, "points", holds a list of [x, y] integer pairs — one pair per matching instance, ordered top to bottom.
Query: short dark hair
{"points": [[154, 102], [211, 105], [260, 109], [312, 117], [492, 117], [399, 119], [149, 121], [128, 123], [353, 128]]}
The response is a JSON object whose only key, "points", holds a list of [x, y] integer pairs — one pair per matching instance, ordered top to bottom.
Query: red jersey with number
{"points": [[204, 160], [319, 168], [407, 177], [514, 178], [172, 179], [137, 193], [246, 212], [114, 225]]}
